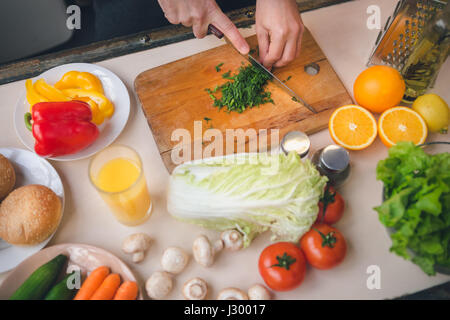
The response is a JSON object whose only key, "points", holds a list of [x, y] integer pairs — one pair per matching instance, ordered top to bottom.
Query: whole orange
{"points": [[379, 88]]}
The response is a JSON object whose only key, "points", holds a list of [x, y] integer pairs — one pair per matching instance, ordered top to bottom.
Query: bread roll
{"points": [[7, 177], [29, 215]]}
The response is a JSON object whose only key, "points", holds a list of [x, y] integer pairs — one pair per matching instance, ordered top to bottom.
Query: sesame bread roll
{"points": [[29, 215]]}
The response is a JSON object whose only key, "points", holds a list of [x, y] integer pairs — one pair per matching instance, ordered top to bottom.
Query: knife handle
{"points": [[213, 29]]}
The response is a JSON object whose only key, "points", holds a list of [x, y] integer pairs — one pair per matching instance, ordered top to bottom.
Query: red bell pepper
{"points": [[62, 128]]}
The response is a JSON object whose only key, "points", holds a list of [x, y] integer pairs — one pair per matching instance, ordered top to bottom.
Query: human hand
{"points": [[199, 14], [279, 29]]}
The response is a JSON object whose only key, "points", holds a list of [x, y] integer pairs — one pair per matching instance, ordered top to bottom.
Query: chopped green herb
{"points": [[254, 51], [218, 67], [227, 75], [287, 79], [245, 90], [210, 92], [295, 99], [207, 119]]}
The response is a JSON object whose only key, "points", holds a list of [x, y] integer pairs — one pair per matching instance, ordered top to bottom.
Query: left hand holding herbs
{"points": [[279, 29]]}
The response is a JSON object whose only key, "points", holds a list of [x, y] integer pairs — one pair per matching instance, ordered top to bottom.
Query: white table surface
{"points": [[341, 32]]}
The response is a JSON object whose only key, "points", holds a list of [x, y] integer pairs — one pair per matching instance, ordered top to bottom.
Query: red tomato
{"points": [[331, 207], [324, 246], [282, 266]]}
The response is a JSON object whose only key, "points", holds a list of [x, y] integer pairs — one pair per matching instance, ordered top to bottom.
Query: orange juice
{"points": [[117, 175], [122, 185]]}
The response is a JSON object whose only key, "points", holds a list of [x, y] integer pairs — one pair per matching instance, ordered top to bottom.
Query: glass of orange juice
{"points": [[117, 174]]}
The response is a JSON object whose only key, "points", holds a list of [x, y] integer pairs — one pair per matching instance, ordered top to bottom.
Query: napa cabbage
{"points": [[248, 192]]}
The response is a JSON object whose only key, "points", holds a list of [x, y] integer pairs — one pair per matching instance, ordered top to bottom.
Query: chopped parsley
{"points": [[254, 51], [218, 67], [227, 75], [245, 90]]}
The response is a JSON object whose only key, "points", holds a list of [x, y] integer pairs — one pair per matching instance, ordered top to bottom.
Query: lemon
{"points": [[434, 110]]}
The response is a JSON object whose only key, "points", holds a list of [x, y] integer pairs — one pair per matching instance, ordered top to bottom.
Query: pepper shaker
{"points": [[334, 162]]}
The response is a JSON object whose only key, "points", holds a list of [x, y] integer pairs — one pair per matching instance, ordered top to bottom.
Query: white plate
{"points": [[115, 91], [30, 169], [86, 257]]}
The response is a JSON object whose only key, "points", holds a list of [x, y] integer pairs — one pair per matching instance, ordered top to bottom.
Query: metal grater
{"points": [[396, 41]]}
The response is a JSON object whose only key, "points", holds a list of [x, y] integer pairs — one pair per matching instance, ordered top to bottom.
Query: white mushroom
{"points": [[232, 239], [136, 244], [217, 246], [204, 252], [174, 260], [159, 285], [195, 289], [259, 292], [232, 294]]}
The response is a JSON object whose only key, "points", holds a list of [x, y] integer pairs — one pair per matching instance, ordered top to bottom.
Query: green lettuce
{"points": [[249, 192], [417, 205]]}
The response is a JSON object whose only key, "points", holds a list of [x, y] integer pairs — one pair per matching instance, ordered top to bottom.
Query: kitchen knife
{"points": [[219, 34]]}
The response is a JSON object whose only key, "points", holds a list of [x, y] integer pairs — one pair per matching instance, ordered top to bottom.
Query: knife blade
{"points": [[258, 65]]}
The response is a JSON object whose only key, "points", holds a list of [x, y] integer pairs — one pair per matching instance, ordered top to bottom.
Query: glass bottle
{"points": [[429, 53]]}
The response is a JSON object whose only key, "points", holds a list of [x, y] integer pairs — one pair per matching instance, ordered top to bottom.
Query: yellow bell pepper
{"points": [[80, 80], [74, 85], [49, 92], [32, 96], [105, 106], [97, 116]]}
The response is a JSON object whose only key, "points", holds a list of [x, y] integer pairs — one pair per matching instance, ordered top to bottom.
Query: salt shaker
{"points": [[296, 141], [334, 162]]}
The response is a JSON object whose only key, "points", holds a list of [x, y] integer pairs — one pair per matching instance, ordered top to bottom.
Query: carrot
{"points": [[92, 283], [108, 288], [127, 291]]}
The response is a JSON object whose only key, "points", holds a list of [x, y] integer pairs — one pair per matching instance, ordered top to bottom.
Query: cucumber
{"points": [[41, 280], [60, 291]]}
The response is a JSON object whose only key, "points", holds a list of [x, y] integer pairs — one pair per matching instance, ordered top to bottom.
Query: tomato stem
{"points": [[328, 198], [328, 240], [284, 261]]}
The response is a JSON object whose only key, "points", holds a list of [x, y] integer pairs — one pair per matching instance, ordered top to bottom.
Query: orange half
{"points": [[401, 124], [352, 127]]}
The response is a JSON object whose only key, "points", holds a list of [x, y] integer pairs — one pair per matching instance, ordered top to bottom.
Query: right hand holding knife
{"points": [[199, 14]]}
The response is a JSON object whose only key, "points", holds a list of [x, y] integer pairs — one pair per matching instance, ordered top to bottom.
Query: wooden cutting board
{"points": [[173, 97]]}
